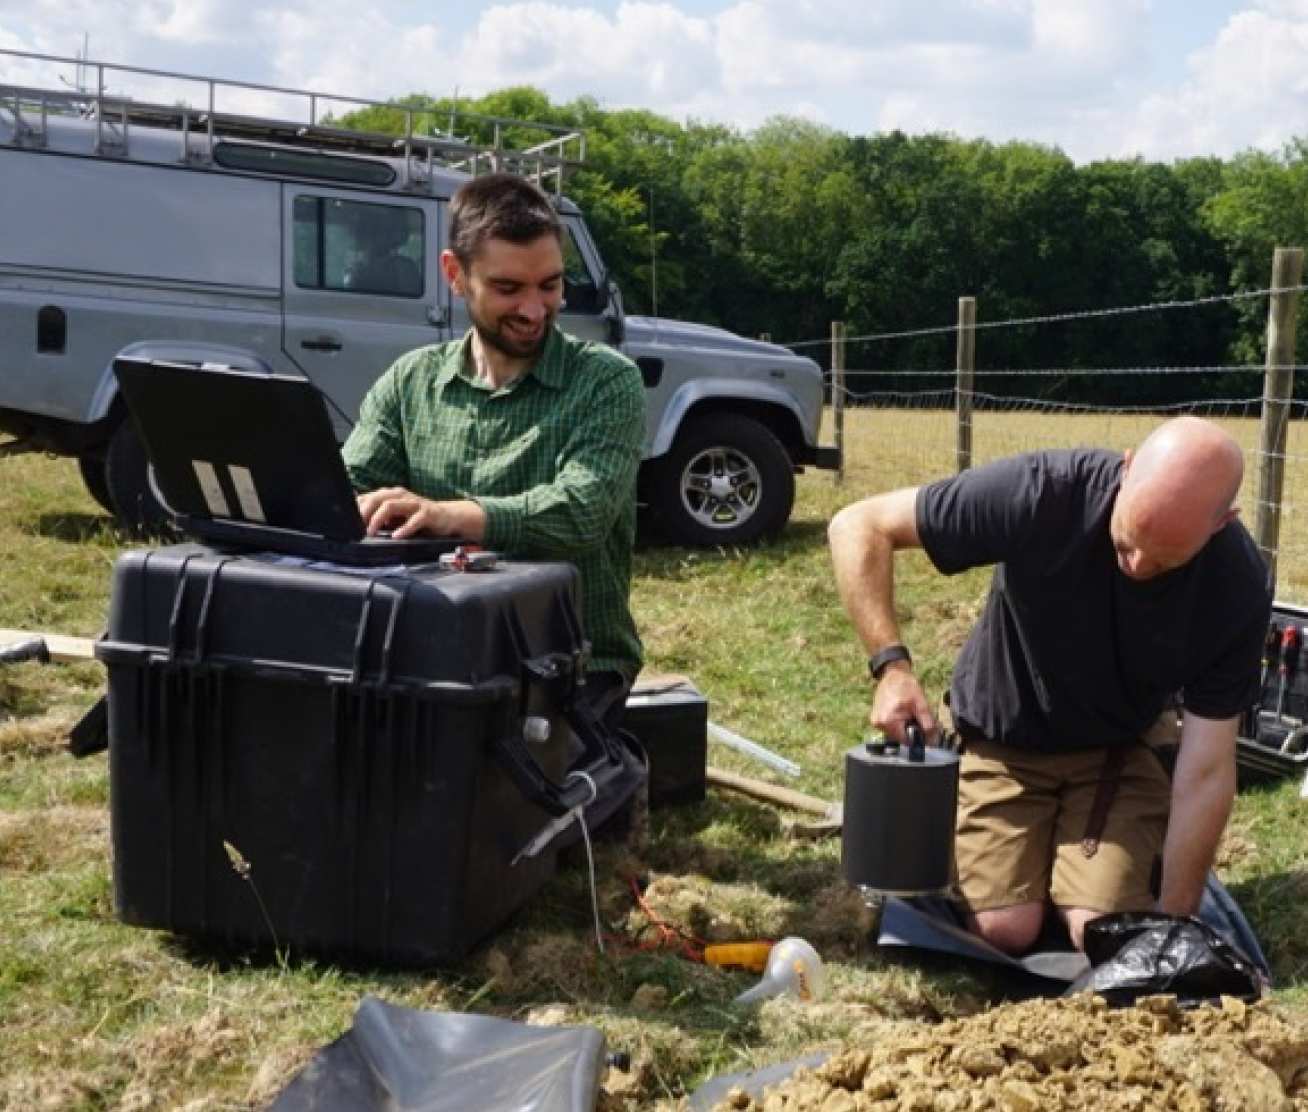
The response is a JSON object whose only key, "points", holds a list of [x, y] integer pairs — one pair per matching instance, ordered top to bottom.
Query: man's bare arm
{"points": [[864, 538], [1203, 788]]}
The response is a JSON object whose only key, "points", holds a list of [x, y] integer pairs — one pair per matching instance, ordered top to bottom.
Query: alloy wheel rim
{"points": [[721, 487]]}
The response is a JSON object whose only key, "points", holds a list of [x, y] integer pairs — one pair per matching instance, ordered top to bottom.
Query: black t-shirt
{"points": [[1069, 652]]}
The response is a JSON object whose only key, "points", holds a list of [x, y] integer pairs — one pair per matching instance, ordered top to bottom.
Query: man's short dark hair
{"points": [[499, 206]]}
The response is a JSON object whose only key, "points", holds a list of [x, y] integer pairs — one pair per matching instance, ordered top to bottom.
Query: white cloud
{"points": [[1284, 9], [193, 22], [890, 23], [1096, 35], [648, 54], [1063, 72], [1249, 88]]}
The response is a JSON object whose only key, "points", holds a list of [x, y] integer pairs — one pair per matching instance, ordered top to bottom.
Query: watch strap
{"points": [[878, 661]]}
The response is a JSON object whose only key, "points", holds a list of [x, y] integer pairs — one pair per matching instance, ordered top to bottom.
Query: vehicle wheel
{"points": [[127, 477], [727, 480], [95, 481]]}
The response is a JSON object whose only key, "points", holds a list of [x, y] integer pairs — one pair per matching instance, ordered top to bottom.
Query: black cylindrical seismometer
{"points": [[898, 833]]}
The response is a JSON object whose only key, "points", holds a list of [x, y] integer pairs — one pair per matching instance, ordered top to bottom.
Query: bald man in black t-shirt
{"points": [[1120, 582]]}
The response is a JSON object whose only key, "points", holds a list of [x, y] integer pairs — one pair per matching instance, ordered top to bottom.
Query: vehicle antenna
{"points": [[79, 71]]}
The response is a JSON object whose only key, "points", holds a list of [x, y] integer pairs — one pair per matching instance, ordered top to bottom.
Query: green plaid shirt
{"points": [[551, 458]]}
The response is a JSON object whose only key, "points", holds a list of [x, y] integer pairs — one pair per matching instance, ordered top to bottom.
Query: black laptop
{"points": [[251, 460]]}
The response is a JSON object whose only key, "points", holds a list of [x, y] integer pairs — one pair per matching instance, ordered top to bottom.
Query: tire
{"points": [[127, 478], [727, 480], [96, 481]]}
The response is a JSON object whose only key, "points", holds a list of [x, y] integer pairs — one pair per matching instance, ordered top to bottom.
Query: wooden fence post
{"points": [[965, 364], [1278, 382], [838, 394]]}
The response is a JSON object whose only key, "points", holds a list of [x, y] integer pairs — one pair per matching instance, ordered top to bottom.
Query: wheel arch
{"points": [[106, 403], [774, 409]]}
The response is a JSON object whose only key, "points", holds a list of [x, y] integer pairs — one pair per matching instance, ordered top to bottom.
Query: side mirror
{"points": [[585, 297], [616, 317]]}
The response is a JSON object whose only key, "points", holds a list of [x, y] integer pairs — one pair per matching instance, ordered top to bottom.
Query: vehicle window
{"points": [[302, 164], [358, 247], [580, 289]]}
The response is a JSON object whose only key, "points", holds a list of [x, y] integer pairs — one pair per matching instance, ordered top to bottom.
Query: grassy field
{"points": [[94, 1014]]}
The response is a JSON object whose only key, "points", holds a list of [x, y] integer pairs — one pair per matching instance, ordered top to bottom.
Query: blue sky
{"points": [[1097, 78]]}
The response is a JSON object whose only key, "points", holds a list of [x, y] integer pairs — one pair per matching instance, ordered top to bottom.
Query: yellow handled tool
{"points": [[739, 955]]}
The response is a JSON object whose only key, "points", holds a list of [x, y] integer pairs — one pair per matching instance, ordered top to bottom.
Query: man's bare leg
{"points": [[1076, 918], [1011, 929]]}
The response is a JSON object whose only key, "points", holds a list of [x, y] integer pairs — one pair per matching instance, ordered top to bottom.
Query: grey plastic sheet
{"points": [[935, 924], [400, 1059], [714, 1091]]}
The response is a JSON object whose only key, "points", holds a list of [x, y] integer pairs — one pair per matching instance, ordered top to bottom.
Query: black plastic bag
{"points": [[1134, 954]]}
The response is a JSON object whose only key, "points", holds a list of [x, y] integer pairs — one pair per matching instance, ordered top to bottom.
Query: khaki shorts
{"points": [[1022, 817]]}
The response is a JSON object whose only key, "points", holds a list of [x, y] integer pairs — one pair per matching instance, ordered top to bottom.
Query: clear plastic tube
{"points": [[753, 749]]}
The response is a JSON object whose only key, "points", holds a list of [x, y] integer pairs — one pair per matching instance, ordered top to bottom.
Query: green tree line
{"points": [[785, 228]]}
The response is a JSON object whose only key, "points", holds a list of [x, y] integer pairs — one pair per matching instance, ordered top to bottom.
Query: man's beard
{"points": [[495, 336]]}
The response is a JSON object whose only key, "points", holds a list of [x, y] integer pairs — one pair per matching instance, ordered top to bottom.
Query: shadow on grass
{"points": [[77, 527], [649, 533], [662, 559], [678, 846], [1273, 904], [296, 960], [987, 982]]}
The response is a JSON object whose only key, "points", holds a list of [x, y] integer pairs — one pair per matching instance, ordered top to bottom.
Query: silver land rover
{"points": [[203, 236]]}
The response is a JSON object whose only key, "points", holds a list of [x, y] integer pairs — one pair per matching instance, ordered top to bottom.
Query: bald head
{"points": [[1177, 490]]}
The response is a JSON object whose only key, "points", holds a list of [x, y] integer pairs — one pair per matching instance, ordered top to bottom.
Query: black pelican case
{"points": [[337, 760]]}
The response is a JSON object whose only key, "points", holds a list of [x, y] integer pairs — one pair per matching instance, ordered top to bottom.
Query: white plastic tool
{"points": [[794, 968]]}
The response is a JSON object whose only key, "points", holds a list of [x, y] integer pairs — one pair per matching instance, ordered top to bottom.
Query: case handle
{"points": [[602, 753]]}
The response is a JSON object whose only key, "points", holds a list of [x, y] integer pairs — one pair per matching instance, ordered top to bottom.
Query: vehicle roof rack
{"points": [[27, 110]]}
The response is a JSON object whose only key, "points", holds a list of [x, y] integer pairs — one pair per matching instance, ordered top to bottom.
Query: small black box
{"points": [[670, 719]]}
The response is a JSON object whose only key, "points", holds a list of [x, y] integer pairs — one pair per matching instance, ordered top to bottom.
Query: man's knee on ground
{"points": [[1011, 929]]}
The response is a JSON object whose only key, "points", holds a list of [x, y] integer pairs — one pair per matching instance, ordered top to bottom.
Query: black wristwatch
{"points": [[879, 661]]}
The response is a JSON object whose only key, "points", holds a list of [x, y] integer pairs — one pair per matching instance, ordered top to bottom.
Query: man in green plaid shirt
{"points": [[517, 436]]}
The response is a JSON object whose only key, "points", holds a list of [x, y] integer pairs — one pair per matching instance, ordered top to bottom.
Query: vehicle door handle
{"points": [[321, 343]]}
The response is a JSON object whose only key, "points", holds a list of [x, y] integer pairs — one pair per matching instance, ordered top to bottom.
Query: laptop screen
{"points": [[238, 446]]}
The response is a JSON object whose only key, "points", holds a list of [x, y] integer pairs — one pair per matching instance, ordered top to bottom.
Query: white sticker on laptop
{"points": [[243, 481], [211, 488]]}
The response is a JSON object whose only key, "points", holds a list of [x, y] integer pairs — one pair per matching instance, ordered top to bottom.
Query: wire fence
{"points": [[1061, 318], [907, 426]]}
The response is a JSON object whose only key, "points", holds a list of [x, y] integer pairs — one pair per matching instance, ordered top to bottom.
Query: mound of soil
{"points": [[1073, 1053]]}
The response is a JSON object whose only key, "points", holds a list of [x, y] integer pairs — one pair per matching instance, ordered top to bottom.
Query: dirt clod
{"points": [[649, 998], [1072, 1053]]}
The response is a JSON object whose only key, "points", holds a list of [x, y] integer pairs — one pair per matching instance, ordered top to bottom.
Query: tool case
{"points": [[669, 717], [1273, 738], [341, 761]]}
